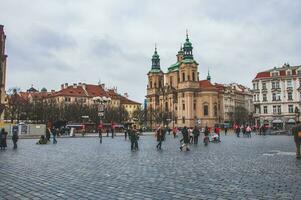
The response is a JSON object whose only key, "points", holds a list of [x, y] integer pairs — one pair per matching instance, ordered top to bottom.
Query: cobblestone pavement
{"points": [[263, 167]]}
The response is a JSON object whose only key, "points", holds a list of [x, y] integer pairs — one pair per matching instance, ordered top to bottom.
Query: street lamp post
{"points": [[101, 101]]}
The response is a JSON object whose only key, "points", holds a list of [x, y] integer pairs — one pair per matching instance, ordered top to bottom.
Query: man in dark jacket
{"points": [[296, 131], [196, 133], [160, 137], [15, 138], [134, 138], [185, 139]]}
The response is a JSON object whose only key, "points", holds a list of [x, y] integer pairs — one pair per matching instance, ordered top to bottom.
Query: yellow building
{"points": [[178, 97]]}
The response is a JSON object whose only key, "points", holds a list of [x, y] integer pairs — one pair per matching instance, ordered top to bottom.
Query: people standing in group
{"points": [[248, 131], [54, 134], [160, 134], [196, 134], [133, 135], [3, 137], [15, 138], [185, 139]]}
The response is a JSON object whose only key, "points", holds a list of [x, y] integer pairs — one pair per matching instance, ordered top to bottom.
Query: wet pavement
{"points": [[261, 167]]}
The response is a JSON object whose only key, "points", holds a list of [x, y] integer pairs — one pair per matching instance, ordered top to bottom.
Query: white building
{"points": [[277, 96]]}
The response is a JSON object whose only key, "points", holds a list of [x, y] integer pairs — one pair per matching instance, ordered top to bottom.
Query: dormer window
{"points": [[288, 72], [299, 72], [274, 74]]}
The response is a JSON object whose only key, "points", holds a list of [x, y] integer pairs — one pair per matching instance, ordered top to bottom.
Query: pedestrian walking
{"points": [[107, 130], [226, 130], [237, 130], [112, 131], [248, 131], [296, 131], [48, 132], [174, 132], [54, 133], [125, 133], [195, 133], [133, 134], [160, 134], [100, 135], [3, 136], [15, 138], [185, 139]]}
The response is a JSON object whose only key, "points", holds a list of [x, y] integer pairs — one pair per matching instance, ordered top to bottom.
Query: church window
{"points": [[206, 110]]}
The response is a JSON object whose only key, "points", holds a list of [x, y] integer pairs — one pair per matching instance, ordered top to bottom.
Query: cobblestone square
{"points": [[81, 168]]}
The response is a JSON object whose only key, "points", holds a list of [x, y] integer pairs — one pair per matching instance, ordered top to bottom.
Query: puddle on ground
{"points": [[277, 152]]}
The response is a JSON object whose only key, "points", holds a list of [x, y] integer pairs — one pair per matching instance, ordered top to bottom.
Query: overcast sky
{"points": [[50, 42]]}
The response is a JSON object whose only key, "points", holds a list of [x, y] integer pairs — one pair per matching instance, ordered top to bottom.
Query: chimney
{"points": [[80, 84], [66, 85], [74, 85], [102, 85], [62, 86], [84, 86], [115, 89], [52, 91], [126, 95]]}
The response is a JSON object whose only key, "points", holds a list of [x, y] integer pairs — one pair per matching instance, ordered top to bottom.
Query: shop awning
{"points": [[277, 121], [291, 121]]}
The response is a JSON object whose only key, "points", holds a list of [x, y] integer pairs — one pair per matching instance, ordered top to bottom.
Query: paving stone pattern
{"points": [[81, 168]]}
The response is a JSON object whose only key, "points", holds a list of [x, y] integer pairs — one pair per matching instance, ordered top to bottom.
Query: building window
{"points": [[299, 72], [288, 73], [274, 74], [183, 76], [193, 76], [188, 77], [170, 81], [289, 84], [273, 85], [277, 85], [254, 86], [264, 86], [183, 94], [289, 96], [264, 97], [274, 97], [278, 97], [194, 105], [166, 106], [183, 106], [290, 108], [265, 109], [274, 109], [279, 109], [206, 110], [215, 110], [183, 120]]}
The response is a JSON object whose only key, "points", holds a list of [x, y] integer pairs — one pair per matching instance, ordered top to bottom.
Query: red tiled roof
{"points": [[263, 75], [207, 85], [96, 90], [78, 91], [123, 99]]}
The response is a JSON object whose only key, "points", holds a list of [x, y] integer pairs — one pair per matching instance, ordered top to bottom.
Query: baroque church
{"points": [[178, 98]]}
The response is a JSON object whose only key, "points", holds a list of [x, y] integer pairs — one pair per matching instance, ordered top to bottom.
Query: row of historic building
{"points": [[3, 58], [82, 93], [277, 96], [186, 100]]}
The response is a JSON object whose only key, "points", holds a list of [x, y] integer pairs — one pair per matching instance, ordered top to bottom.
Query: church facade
{"points": [[177, 97]]}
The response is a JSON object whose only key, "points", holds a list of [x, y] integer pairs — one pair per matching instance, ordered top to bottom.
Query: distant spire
{"points": [[187, 34], [155, 47], [208, 76]]}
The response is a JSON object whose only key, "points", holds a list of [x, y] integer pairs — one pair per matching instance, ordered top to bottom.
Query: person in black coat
{"points": [[296, 131], [196, 133], [3, 136], [160, 137], [15, 138], [186, 139]]}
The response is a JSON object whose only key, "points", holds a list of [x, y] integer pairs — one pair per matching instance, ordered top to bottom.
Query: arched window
{"points": [[183, 76], [193, 76], [151, 84], [166, 106], [206, 110], [215, 110]]}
